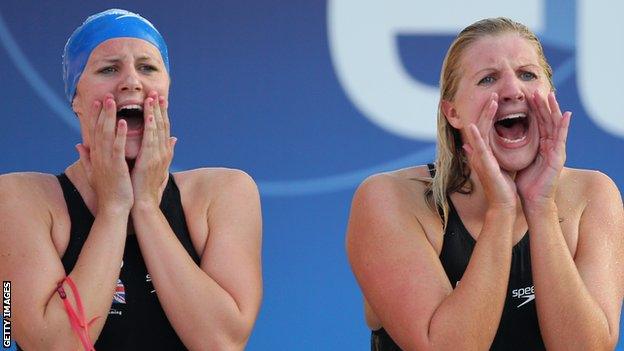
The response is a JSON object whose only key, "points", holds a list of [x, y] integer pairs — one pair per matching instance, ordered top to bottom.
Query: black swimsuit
{"points": [[136, 321], [518, 328]]}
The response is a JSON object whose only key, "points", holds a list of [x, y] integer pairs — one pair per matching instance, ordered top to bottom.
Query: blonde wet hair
{"points": [[452, 172]]}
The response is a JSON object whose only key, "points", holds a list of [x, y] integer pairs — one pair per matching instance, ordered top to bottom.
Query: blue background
{"points": [[254, 87]]}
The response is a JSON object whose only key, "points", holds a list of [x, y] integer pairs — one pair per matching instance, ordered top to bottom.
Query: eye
{"points": [[148, 68], [107, 70], [526, 75], [487, 80]]}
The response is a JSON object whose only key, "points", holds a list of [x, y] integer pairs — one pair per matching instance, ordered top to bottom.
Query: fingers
{"points": [[553, 104], [164, 105], [533, 105], [544, 114], [94, 116], [158, 118], [162, 119], [109, 120], [486, 120], [551, 122], [561, 122], [104, 124], [149, 124], [156, 125], [562, 133], [476, 142], [172, 143], [119, 145], [477, 150]]}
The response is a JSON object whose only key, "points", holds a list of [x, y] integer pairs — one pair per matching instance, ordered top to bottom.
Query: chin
{"points": [[513, 162], [514, 166]]}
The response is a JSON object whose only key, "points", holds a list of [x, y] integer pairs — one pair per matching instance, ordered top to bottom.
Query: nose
{"points": [[130, 81], [511, 89]]}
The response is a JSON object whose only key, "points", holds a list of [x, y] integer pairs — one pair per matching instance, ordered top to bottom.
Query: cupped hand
{"points": [[104, 160], [151, 168], [538, 182], [499, 188]]}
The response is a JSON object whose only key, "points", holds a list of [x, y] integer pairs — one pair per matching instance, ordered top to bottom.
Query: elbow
{"points": [[51, 333], [240, 333], [232, 337], [612, 339], [40, 341], [219, 343], [598, 343], [610, 343]]}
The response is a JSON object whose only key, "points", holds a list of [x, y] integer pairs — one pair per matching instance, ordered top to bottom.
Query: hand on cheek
{"points": [[103, 160], [152, 164], [538, 182], [498, 186]]}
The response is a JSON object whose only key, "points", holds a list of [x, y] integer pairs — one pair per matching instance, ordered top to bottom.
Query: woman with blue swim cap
{"points": [[116, 253]]}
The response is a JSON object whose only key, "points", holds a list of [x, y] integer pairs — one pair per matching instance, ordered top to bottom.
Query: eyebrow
{"points": [[117, 59], [479, 72]]}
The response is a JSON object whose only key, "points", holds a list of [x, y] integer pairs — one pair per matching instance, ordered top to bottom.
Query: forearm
{"points": [[95, 274], [203, 313], [569, 317], [468, 318]]}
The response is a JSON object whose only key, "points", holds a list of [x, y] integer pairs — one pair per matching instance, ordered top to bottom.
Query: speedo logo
{"points": [[528, 294]]}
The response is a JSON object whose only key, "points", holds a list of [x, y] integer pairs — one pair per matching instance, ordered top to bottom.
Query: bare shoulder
{"points": [[28, 182], [213, 182], [399, 185], [584, 186], [36, 191], [395, 192], [393, 199], [598, 204], [33, 213]]}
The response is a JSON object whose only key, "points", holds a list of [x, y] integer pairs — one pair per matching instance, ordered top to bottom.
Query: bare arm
{"points": [[30, 260], [400, 273], [403, 279], [579, 298], [214, 305]]}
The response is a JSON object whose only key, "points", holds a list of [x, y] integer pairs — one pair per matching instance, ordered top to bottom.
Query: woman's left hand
{"points": [[151, 167], [538, 182]]}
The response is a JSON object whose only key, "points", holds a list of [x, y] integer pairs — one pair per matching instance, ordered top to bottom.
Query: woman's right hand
{"points": [[103, 160], [499, 188]]}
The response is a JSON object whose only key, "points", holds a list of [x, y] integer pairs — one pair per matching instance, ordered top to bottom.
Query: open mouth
{"points": [[133, 115], [512, 128]]}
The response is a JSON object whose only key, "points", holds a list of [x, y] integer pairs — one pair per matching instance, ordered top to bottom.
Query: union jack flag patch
{"points": [[120, 293]]}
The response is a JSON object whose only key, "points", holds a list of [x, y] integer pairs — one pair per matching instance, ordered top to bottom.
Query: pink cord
{"points": [[78, 322]]}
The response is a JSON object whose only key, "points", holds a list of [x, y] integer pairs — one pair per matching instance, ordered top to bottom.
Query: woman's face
{"points": [[509, 66], [128, 69]]}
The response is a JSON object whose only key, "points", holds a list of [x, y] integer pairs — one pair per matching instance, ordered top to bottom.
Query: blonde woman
{"points": [[497, 245]]}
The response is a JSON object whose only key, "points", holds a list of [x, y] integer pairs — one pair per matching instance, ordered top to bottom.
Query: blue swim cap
{"points": [[113, 23]]}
